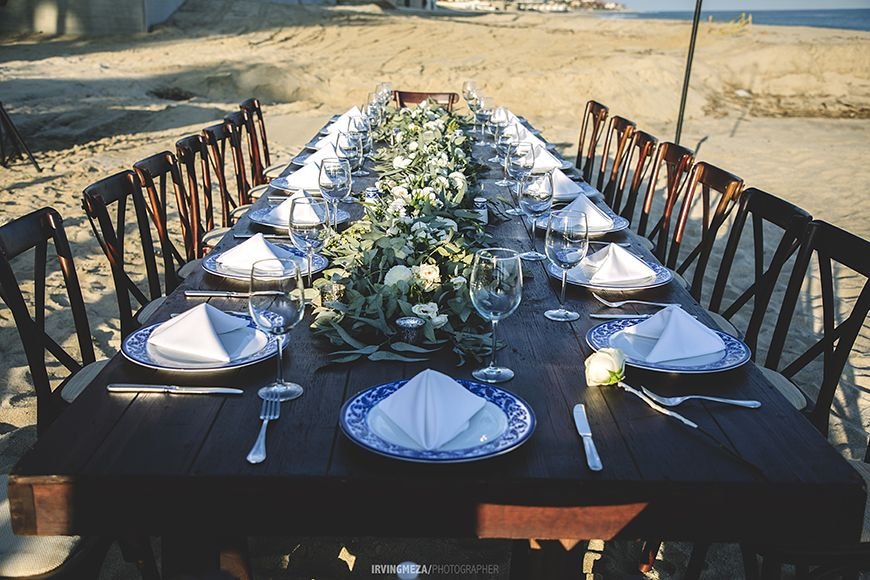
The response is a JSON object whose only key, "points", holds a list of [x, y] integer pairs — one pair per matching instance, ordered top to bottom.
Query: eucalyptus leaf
{"points": [[386, 355]]}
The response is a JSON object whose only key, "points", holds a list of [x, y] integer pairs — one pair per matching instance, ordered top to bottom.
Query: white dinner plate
{"points": [[261, 216], [211, 264], [579, 276], [605, 335], [249, 345]]}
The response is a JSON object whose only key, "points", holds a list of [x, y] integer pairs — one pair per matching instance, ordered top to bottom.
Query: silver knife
{"points": [[267, 236], [215, 294], [618, 316], [173, 389], [582, 424]]}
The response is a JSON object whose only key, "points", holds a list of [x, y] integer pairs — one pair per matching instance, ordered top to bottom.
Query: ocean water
{"points": [[849, 19]]}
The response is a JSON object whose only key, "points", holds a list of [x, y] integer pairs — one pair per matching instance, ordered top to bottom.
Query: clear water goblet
{"points": [[520, 163], [335, 183], [536, 200], [309, 220], [566, 243], [496, 289], [276, 303]]}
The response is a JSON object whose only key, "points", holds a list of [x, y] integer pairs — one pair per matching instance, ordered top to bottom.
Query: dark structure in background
{"points": [[12, 145]]}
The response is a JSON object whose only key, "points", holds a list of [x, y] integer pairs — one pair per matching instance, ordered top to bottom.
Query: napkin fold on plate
{"points": [[340, 124], [520, 134], [328, 150], [544, 160], [306, 177], [564, 187], [280, 214], [596, 219], [254, 249], [615, 265], [214, 332], [675, 335], [431, 408]]}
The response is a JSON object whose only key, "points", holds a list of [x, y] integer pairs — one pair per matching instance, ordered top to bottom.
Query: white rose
{"points": [[401, 162], [396, 274], [428, 276], [458, 282], [427, 310], [439, 320], [605, 367]]}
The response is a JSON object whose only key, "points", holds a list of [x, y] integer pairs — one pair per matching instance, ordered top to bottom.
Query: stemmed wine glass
{"points": [[469, 90], [384, 92], [482, 113], [499, 122], [351, 145], [502, 147], [520, 163], [335, 183], [536, 199], [309, 219], [566, 245], [496, 288], [276, 303]]}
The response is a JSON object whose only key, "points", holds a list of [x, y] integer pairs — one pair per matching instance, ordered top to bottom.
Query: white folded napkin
{"points": [[340, 124], [520, 134], [331, 139], [325, 152], [544, 160], [306, 177], [564, 187], [280, 214], [596, 219], [256, 248], [614, 265], [202, 334], [673, 335], [431, 408]]}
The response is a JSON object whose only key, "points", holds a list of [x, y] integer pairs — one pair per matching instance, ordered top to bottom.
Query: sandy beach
{"points": [[787, 109]]}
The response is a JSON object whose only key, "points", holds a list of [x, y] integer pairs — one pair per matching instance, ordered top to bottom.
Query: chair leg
{"points": [[138, 551], [648, 553], [696, 561]]}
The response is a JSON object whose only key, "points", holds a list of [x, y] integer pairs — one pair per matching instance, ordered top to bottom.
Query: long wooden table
{"points": [[159, 464]]}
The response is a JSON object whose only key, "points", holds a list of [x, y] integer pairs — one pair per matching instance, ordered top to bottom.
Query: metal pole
{"points": [[695, 21]]}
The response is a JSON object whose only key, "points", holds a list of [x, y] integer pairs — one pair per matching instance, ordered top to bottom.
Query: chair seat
{"points": [[275, 170], [257, 191], [239, 212], [212, 237], [189, 268], [146, 311], [724, 324], [75, 384], [785, 387], [864, 470], [29, 555]]}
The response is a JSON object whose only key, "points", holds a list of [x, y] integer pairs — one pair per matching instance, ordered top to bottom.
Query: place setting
{"points": [[329, 180], [601, 221]]}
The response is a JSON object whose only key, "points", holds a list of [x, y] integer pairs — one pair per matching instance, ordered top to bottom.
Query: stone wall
{"points": [[83, 17]]}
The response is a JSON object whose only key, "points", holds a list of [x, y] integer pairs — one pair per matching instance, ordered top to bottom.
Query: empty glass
{"points": [[482, 113], [502, 147], [520, 162], [335, 183], [536, 199], [309, 219], [566, 245], [496, 289], [276, 303]]}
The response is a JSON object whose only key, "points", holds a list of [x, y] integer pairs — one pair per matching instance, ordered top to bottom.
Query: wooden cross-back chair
{"points": [[408, 98], [592, 127], [618, 135], [223, 140], [259, 142], [641, 152], [193, 157], [677, 162], [247, 169], [157, 174], [719, 191], [122, 192], [767, 216], [36, 231], [825, 245]]}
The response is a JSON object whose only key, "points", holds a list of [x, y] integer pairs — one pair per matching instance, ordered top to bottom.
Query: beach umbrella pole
{"points": [[695, 20]]}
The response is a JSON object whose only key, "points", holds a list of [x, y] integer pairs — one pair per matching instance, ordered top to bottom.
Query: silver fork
{"points": [[624, 302], [674, 401], [270, 411]]}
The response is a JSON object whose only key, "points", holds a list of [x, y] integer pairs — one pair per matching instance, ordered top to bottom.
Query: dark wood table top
{"points": [[153, 464]]}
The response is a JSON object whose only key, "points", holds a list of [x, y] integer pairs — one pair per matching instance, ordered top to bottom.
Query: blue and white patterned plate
{"points": [[261, 217], [619, 223], [211, 265], [579, 277], [258, 346], [736, 352], [505, 423]]}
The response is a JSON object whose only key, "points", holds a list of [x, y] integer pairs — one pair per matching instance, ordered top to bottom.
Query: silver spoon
{"points": [[674, 401]]}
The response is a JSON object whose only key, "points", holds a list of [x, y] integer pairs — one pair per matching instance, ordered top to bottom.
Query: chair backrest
{"points": [[408, 98], [256, 127], [591, 127], [223, 140], [641, 151], [614, 156], [193, 159], [677, 162], [248, 170], [156, 174], [122, 190], [719, 191], [765, 213], [34, 231], [840, 326]]}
